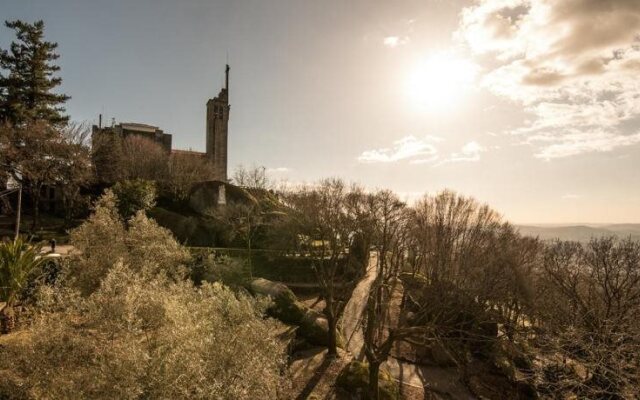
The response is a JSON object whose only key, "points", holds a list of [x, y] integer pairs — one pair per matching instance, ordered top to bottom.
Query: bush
{"points": [[103, 240], [136, 338]]}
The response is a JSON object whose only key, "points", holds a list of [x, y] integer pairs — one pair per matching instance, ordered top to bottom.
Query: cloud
{"points": [[395, 41], [572, 64], [582, 142], [408, 148], [470, 152], [279, 170], [570, 196]]}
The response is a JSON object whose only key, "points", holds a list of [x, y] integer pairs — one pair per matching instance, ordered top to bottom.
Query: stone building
{"points": [[217, 127]]}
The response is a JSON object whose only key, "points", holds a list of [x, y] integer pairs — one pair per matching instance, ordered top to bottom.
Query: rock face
{"points": [[205, 197], [191, 230], [354, 379]]}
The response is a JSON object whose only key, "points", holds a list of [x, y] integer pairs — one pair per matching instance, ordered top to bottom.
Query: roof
{"points": [[134, 126]]}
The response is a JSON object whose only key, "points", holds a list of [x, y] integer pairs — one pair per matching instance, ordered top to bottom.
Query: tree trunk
{"points": [[332, 347], [374, 371]]}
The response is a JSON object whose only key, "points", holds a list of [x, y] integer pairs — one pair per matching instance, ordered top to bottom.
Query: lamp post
{"points": [[18, 211]]}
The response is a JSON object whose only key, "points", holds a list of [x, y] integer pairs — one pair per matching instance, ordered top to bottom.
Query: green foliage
{"points": [[26, 88], [134, 195], [17, 259], [137, 337]]}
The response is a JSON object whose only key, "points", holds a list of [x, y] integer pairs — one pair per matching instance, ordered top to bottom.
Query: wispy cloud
{"points": [[395, 41], [577, 78], [571, 144], [408, 148], [470, 152], [279, 170]]}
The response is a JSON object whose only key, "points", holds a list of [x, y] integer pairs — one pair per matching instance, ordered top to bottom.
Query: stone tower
{"points": [[217, 129]]}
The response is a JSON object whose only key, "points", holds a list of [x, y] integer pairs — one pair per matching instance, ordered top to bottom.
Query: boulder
{"points": [[286, 308], [354, 379]]}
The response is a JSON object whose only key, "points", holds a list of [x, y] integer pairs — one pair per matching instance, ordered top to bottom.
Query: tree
{"points": [[26, 86], [39, 155], [107, 155], [143, 159], [185, 170], [77, 172], [254, 177], [133, 196], [319, 217], [245, 221], [468, 274], [590, 309], [385, 319]]}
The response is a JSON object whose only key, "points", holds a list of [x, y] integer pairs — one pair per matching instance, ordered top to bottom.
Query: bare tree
{"points": [[40, 155], [143, 159], [184, 170], [77, 172], [254, 177], [320, 218], [245, 220], [591, 311], [385, 315]]}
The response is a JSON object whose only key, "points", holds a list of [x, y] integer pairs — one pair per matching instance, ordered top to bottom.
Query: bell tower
{"points": [[217, 129]]}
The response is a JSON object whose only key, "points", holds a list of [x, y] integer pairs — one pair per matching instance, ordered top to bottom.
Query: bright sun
{"points": [[438, 83]]}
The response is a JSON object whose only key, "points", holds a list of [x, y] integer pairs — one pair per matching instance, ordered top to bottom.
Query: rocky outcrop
{"points": [[313, 326]]}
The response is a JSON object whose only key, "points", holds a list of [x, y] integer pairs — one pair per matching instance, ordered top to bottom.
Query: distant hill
{"points": [[580, 233]]}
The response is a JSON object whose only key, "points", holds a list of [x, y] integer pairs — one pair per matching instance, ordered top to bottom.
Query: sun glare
{"points": [[439, 83]]}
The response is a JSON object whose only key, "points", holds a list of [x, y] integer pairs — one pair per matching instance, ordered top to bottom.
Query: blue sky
{"points": [[520, 103]]}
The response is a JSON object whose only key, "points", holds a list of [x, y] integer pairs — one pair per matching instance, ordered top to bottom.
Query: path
{"points": [[62, 250], [352, 315], [444, 381]]}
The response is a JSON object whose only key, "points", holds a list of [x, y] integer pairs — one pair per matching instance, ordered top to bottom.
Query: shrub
{"points": [[103, 240], [17, 261], [136, 338]]}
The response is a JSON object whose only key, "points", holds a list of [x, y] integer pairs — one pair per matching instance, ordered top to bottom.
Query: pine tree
{"points": [[27, 78]]}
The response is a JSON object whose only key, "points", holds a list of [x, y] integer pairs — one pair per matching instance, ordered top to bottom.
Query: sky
{"points": [[531, 106]]}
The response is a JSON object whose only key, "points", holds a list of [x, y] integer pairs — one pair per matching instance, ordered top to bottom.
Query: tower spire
{"points": [[226, 78]]}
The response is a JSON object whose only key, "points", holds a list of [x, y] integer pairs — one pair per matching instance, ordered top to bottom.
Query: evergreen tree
{"points": [[27, 78]]}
